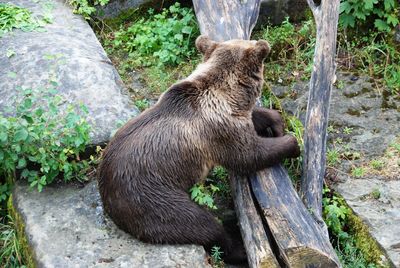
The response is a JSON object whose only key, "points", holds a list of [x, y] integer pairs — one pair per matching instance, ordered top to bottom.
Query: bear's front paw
{"points": [[277, 123], [293, 147]]}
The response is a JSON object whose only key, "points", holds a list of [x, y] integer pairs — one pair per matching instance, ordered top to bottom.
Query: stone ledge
{"points": [[68, 52], [65, 227]]}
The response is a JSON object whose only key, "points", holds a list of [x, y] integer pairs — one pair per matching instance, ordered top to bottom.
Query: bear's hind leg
{"points": [[178, 220]]}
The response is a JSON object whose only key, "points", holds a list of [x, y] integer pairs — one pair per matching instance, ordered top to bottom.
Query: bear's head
{"points": [[233, 51], [233, 68]]}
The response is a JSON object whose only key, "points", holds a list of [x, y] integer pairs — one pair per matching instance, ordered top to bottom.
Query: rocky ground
{"points": [[364, 131]]}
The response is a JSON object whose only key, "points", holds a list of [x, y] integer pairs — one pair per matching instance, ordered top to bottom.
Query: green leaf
{"points": [[369, 4], [381, 25], [187, 30], [10, 53], [21, 134], [3, 137], [21, 163]]}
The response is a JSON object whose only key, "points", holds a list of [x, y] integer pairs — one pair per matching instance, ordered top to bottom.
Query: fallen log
{"points": [[255, 239], [298, 240]]}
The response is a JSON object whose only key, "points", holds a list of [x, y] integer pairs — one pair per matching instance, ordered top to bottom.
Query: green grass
{"points": [[10, 248]]}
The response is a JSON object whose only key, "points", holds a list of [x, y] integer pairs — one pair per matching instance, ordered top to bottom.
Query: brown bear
{"points": [[207, 119]]}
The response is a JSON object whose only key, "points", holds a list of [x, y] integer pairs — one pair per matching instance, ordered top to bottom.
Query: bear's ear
{"points": [[205, 44], [262, 49]]}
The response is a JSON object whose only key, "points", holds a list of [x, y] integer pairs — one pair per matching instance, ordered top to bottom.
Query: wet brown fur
{"points": [[205, 120]]}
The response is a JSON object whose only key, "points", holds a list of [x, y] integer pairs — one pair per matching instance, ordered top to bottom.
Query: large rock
{"points": [[69, 52], [66, 227]]}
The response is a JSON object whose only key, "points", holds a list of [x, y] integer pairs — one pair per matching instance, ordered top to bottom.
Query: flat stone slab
{"points": [[69, 53], [382, 215], [66, 227]]}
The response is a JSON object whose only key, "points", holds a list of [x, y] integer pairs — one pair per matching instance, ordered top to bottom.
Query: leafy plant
{"points": [[86, 8], [383, 14], [15, 17], [162, 39], [292, 50], [142, 104], [348, 130], [41, 142], [333, 157], [377, 164], [358, 172], [203, 194], [334, 213], [336, 216], [216, 257]]}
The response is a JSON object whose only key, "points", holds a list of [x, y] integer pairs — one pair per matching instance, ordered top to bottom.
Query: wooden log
{"points": [[326, 16], [225, 20], [299, 238], [255, 239]]}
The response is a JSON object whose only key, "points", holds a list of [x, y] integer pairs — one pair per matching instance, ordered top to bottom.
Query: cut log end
{"points": [[309, 257]]}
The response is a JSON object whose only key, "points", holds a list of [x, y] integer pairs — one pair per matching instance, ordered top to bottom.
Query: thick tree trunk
{"points": [[322, 78]]}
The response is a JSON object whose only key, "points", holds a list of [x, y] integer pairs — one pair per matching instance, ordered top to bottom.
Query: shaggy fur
{"points": [[205, 120]]}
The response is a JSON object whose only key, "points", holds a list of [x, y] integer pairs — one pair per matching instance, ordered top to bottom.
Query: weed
{"points": [[86, 8], [383, 14], [15, 17], [162, 39], [292, 50], [142, 104], [295, 128], [347, 130], [40, 142], [333, 157], [377, 164], [358, 172], [376, 193], [203, 194], [336, 216], [10, 248], [216, 257]]}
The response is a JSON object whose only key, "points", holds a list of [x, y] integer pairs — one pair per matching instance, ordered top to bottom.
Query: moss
{"points": [[126, 16], [370, 249], [26, 250]]}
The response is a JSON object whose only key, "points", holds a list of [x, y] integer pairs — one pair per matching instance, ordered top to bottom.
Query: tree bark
{"points": [[326, 16], [223, 20], [298, 237], [255, 239]]}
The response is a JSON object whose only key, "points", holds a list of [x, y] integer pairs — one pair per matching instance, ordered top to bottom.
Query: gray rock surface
{"points": [[115, 7], [272, 11], [275, 11], [69, 53], [373, 118], [66, 227]]}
